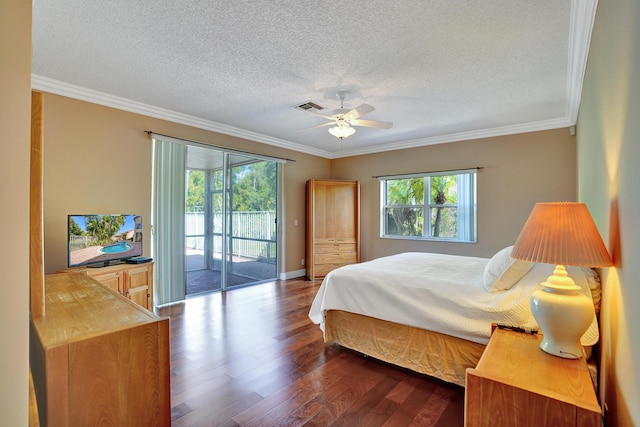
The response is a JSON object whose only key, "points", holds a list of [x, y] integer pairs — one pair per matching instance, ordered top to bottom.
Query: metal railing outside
{"points": [[254, 233]]}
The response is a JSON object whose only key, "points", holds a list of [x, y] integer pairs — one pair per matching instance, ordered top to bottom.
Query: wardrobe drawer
{"points": [[323, 240], [335, 247], [335, 258], [322, 270]]}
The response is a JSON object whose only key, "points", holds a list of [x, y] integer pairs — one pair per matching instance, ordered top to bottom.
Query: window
{"points": [[433, 206]]}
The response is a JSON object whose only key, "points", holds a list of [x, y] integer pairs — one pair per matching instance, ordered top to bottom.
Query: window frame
{"points": [[467, 226]]}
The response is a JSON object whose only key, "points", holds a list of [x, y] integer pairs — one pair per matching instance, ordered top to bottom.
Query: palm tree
{"points": [[440, 186], [104, 227]]}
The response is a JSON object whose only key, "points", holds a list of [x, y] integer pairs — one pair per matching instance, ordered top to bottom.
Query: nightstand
{"points": [[518, 384]]}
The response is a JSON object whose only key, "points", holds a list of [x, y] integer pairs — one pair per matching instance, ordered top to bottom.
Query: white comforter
{"points": [[441, 293]]}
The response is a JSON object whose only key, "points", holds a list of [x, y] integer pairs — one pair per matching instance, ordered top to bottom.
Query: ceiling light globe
{"points": [[342, 131]]}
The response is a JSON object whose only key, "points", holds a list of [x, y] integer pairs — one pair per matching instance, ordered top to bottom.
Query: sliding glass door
{"points": [[230, 220]]}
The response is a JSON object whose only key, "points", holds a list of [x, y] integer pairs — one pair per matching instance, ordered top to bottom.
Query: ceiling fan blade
{"points": [[359, 111], [323, 116], [371, 123], [319, 126]]}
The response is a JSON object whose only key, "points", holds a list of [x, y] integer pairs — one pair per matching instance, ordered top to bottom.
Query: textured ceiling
{"points": [[440, 70]]}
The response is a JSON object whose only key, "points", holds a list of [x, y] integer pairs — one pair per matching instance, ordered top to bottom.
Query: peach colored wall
{"points": [[15, 116], [608, 155], [98, 159], [517, 171]]}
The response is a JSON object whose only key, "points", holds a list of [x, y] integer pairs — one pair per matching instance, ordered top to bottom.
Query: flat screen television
{"points": [[100, 240]]}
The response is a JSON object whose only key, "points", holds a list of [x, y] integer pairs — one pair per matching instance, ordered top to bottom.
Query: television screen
{"points": [[100, 240]]}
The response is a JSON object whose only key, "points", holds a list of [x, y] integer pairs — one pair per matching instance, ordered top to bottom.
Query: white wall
{"points": [[608, 138]]}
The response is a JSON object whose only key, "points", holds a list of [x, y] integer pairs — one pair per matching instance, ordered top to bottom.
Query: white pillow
{"points": [[502, 271]]}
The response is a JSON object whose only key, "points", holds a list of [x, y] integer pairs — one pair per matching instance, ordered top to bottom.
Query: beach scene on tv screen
{"points": [[103, 238]]}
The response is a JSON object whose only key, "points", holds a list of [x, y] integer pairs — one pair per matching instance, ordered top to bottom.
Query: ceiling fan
{"points": [[343, 120]]}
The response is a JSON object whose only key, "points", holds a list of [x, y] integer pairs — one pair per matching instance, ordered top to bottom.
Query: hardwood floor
{"points": [[252, 357]]}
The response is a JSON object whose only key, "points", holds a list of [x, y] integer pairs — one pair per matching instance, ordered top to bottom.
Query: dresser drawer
{"points": [[335, 258]]}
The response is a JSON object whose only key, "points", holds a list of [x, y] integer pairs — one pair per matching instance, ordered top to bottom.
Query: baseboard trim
{"points": [[293, 274]]}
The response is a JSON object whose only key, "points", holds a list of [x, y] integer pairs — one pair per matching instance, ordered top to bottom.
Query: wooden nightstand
{"points": [[518, 384]]}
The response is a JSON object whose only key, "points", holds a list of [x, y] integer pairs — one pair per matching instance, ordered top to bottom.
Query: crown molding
{"points": [[583, 15], [57, 87], [460, 136]]}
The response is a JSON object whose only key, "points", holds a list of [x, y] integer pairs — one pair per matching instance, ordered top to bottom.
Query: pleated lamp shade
{"points": [[561, 233]]}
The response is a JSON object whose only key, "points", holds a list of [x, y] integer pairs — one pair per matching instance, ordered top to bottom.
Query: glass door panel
{"points": [[217, 219], [195, 220], [251, 220], [203, 273]]}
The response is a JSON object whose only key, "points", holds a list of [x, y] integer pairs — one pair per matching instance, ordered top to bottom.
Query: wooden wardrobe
{"points": [[333, 225]]}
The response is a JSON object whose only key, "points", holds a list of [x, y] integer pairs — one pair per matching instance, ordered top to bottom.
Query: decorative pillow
{"points": [[502, 271]]}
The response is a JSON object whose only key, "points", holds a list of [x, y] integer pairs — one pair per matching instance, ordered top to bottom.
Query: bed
{"points": [[432, 313]]}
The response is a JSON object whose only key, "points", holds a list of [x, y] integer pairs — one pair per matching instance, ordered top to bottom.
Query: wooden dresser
{"points": [[333, 225], [134, 281], [98, 358], [518, 384]]}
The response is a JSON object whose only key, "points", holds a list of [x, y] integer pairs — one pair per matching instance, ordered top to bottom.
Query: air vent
{"points": [[309, 106]]}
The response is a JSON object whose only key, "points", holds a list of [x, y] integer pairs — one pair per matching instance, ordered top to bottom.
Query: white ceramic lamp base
{"points": [[563, 314]]}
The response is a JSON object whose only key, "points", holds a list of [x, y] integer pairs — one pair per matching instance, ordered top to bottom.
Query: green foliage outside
{"points": [[253, 188], [195, 191], [408, 194], [406, 206], [444, 219]]}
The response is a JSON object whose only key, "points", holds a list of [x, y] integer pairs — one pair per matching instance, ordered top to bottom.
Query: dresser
{"points": [[333, 225], [134, 281], [97, 358], [517, 384]]}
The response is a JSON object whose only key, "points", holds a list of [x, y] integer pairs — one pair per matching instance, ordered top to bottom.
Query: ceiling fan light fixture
{"points": [[343, 121], [342, 130]]}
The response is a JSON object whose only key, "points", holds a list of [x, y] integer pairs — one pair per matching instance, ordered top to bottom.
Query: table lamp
{"points": [[561, 233]]}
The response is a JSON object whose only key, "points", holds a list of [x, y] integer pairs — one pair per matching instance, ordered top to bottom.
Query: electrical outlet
{"points": [[302, 262]]}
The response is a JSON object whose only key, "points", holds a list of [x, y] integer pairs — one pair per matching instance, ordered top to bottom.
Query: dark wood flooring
{"points": [[252, 357]]}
